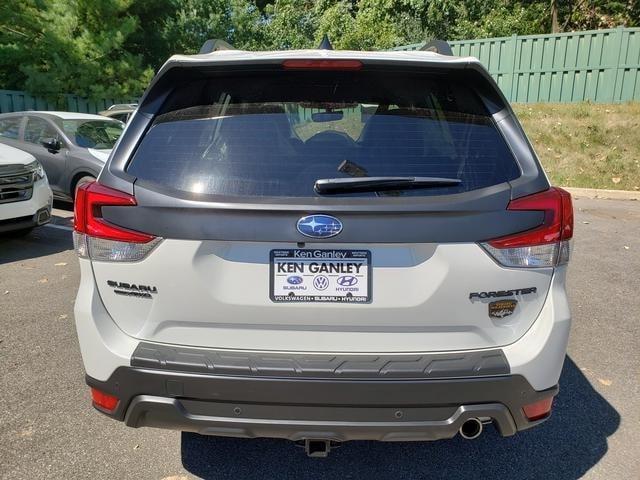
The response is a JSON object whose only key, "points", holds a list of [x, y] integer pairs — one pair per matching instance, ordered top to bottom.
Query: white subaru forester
{"points": [[323, 246]]}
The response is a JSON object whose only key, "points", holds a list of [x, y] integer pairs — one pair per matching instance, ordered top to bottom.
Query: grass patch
{"points": [[585, 144]]}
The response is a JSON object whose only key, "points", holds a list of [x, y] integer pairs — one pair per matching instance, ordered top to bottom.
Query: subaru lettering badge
{"points": [[319, 226]]}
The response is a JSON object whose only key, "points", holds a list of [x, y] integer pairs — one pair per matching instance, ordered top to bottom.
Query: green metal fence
{"points": [[597, 65], [16, 101]]}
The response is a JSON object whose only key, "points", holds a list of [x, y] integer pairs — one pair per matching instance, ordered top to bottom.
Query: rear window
{"points": [[273, 134]]}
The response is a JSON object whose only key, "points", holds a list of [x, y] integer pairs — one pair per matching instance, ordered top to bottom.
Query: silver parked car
{"points": [[120, 111], [72, 147], [324, 246]]}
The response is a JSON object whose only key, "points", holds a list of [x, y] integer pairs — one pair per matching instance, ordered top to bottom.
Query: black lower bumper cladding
{"points": [[41, 217], [390, 409]]}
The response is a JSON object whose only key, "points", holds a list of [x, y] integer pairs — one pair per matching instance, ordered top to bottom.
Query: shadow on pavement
{"points": [[63, 205], [40, 242], [564, 447]]}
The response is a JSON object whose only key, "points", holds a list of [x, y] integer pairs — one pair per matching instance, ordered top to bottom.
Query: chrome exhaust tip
{"points": [[471, 428]]}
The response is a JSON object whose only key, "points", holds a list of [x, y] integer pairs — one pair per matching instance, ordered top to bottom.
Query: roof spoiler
{"points": [[215, 45], [437, 46]]}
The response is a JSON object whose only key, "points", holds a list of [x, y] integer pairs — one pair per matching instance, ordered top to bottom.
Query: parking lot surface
{"points": [[49, 430]]}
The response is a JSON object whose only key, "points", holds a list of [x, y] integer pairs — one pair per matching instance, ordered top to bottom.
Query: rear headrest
{"points": [[380, 128]]}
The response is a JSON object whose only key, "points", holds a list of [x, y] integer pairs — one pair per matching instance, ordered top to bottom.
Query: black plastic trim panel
{"points": [[462, 218], [423, 366], [206, 403], [386, 424]]}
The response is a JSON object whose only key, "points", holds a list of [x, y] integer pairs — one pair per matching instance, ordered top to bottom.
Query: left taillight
{"points": [[97, 239], [545, 246]]}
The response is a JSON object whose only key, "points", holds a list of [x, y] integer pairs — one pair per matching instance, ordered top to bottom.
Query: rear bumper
{"points": [[327, 409]]}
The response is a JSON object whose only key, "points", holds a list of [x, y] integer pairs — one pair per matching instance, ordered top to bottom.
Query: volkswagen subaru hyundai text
{"points": [[323, 246]]}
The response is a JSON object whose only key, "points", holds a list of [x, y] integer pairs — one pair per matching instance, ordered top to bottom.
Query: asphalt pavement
{"points": [[49, 430]]}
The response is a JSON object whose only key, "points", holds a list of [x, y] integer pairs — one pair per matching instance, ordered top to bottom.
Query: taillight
{"points": [[296, 64], [95, 238], [544, 246], [104, 401], [538, 410]]}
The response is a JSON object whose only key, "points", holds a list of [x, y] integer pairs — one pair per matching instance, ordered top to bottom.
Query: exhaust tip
{"points": [[471, 428]]}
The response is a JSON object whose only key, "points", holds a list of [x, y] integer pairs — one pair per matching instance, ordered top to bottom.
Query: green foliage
{"points": [[196, 21], [503, 21], [289, 24], [366, 26], [71, 46], [110, 48]]}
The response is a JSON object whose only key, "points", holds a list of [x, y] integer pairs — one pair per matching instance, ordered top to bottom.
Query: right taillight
{"points": [[97, 239], [544, 246]]}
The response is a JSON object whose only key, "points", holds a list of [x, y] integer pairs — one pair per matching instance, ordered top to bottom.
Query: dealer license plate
{"points": [[307, 275]]}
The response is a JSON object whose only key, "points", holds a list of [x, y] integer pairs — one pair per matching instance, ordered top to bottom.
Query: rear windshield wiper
{"points": [[378, 184]]}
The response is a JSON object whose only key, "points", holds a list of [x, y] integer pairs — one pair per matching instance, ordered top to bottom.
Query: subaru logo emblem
{"points": [[319, 226], [294, 280]]}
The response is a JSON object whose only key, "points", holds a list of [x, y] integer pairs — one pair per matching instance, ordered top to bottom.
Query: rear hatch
{"points": [[320, 206]]}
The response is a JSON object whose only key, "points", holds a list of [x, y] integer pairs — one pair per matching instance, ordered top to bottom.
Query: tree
{"points": [[595, 14], [554, 16], [196, 21], [290, 24], [363, 25], [149, 39], [60, 46], [99, 48]]}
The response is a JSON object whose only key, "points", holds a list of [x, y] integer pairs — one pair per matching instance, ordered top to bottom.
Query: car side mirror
{"points": [[51, 144]]}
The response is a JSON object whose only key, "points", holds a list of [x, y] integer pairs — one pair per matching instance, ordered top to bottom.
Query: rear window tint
{"points": [[275, 133]]}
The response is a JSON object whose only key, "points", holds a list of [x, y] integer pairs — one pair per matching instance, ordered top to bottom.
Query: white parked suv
{"points": [[25, 196], [323, 246]]}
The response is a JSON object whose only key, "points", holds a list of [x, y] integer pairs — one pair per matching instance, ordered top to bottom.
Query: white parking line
{"points": [[59, 227]]}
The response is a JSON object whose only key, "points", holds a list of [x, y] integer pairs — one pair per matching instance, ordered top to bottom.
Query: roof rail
{"points": [[325, 44], [214, 45], [437, 46]]}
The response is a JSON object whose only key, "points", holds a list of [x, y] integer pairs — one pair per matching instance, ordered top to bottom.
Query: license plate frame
{"points": [[345, 282]]}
